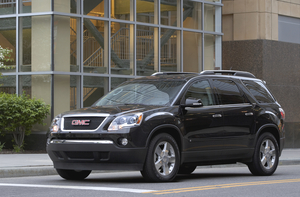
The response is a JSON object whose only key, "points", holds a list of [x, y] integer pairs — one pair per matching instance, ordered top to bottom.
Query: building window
{"points": [[288, 29], [71, 52]]}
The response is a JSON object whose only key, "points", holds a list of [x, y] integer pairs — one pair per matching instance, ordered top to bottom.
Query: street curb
{"points": [[289, 162], [49, 170], [26, 171]]}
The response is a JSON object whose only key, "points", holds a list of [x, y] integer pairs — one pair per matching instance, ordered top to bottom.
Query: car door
{"points": [[238, 117], [203, 125]]}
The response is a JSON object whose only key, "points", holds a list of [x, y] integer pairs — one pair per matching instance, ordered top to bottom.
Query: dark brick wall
{"points": [[278, 63]]}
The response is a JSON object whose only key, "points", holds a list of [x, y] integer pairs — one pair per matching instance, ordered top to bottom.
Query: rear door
{"points": [[238, 117]]}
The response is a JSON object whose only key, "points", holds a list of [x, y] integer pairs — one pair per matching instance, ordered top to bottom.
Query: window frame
{"points": [[262, 85], [242, 93], [213, 94]]}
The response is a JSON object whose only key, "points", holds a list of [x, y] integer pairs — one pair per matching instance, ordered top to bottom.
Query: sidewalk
{"points": [[17, 165]]}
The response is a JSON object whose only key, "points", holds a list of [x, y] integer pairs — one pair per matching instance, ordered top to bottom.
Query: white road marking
{"points": [[78, 187]]}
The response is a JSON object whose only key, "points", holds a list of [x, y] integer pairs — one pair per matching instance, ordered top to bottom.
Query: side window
{"points": [[201, 90], [259, 91], [228, 92]]}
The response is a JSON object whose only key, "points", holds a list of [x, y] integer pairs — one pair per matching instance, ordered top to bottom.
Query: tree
{"points": [[5, 56], [18, 113]]}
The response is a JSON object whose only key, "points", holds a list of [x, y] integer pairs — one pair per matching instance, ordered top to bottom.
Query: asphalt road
{"points": [[230, 181]]}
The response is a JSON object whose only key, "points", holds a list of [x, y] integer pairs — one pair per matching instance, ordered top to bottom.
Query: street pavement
{"points": [[18, 165]]}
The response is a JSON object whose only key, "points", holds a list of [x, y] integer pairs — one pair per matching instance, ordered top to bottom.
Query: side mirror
{"points": [[192, 102]]}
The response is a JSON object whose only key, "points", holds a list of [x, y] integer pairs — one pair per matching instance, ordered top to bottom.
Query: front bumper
{"points": [[94, 155]]}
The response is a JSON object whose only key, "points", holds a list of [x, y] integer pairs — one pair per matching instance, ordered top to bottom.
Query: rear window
{"points": [[259, 91], [228, 92]]}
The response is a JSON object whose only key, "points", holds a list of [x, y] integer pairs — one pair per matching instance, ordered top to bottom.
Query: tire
{"points": [[266, 156], [162, 160], [185, 169], [73, 175]]}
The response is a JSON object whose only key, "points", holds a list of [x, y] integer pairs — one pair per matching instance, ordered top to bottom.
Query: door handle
{"points": [[249, 114], [217, 116]]}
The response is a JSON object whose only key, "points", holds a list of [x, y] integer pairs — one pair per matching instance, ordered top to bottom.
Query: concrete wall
{"points": [[278, 63]]}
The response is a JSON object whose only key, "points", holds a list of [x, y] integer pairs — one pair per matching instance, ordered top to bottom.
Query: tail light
{"points": [[282, 113]]}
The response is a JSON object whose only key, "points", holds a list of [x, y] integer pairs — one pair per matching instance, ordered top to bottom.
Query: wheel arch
{"points": [[269, 128], [170, 129]]}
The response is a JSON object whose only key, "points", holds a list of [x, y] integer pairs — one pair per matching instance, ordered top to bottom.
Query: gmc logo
{"points": [[81, 122]]}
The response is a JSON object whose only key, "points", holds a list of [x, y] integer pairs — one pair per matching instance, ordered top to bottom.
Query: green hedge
{"points": [[18, 114]]}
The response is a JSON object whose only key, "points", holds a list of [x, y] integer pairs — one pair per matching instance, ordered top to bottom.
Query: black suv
{"points": [[170, 123]]}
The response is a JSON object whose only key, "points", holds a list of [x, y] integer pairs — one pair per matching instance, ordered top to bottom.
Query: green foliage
{"points": [[5, 56], [19, 113], [1, 146], [18, 149]]}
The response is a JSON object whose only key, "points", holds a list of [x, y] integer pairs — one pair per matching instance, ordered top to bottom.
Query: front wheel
{"points": [[266, 156], [163, 159], [73, 174]]}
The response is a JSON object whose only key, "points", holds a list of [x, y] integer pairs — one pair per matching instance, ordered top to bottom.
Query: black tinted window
{"points": [[201, 90], [259, 91], [228, 92]]}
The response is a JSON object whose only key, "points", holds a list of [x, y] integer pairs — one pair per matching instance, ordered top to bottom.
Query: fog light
{"points": [[124, 141]]}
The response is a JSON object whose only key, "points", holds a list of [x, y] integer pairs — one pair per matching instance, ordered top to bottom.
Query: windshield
{"points": [[142, 92]]}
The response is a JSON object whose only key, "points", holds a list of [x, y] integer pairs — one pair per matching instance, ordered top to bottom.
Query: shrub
{"points": [[5, 56], [19, 113], [1, 146]]}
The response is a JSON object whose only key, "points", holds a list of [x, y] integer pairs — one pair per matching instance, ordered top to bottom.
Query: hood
{"points": [[113, 109]]}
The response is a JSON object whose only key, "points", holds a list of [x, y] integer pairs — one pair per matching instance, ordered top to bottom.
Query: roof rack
{"points": [[228, 72], [171, 73]]}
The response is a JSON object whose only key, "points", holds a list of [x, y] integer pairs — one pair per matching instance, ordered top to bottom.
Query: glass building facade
{"points": [[69, 53]]}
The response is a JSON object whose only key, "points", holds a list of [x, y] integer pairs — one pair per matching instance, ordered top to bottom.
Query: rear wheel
{"points": [[266, 156], [163, 158], [73, 174]]}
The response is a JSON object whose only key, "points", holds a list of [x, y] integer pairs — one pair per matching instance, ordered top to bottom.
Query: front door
{"points": [[203, 125]]}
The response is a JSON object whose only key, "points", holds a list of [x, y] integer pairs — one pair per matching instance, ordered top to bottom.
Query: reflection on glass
{"points": [[215, 1], [31, 6], [67, 6], [7, 7], [94, 7], [120, 9], [145, 11], [168, 12], [209, 17], [194, 18], [8, 41], [25, 44], [35, 44], [66, 47], [93, 47], [121, 48], [169, 49], [145, 50], [192, 52], [209, 52], [117, 81], [8, 84], [25, 85], [40, 89], [93, 89], [74, 92], [143, 92], [62, 95]]}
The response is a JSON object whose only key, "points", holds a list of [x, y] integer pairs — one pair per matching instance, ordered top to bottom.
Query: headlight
{"points": [[125, 121], [55, 124]]}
